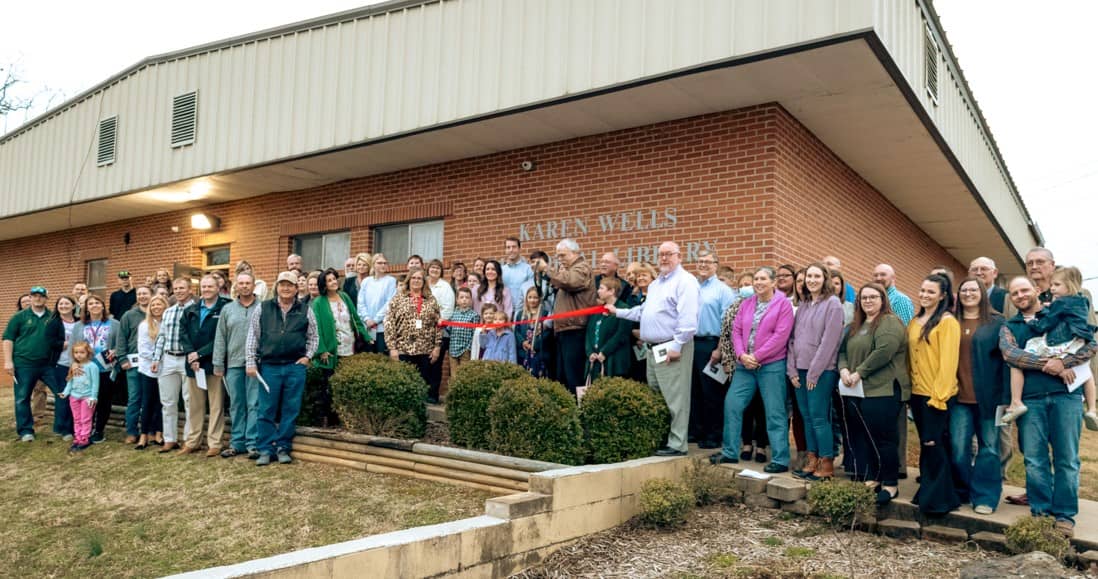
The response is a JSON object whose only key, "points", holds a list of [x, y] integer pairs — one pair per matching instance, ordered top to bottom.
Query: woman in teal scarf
{"points": [[337, 325]]}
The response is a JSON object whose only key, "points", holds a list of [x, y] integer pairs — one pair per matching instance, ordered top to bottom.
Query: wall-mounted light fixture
{"points": [[205, 221]]}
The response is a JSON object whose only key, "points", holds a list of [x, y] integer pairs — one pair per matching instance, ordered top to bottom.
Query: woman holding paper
{"points": [[98, 329], [760, 337], [934, 346], [813, 348], [874, 383], [983, 384]]}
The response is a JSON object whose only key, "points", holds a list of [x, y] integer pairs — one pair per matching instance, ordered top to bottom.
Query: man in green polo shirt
{"points": [[27, 357]]}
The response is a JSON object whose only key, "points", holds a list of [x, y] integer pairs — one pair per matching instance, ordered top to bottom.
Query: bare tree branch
{"points": [[9, 77]]}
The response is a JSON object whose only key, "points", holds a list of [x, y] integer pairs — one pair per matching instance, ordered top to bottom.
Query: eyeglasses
{"points": [[668, 253], [706, 262], [1034, 262], [784, 275], [969, 290], [870, 297]]}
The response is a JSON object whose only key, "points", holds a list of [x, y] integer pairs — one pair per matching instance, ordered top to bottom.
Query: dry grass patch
{"points": [[115, 512]]}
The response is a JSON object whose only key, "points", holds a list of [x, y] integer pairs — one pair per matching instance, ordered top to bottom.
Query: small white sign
{"points": [[660, 352], [133, 359], [716, 372], [1082, 374], [200, 379], [262, 382], [855, 391], [999, 411], [748, 473]]}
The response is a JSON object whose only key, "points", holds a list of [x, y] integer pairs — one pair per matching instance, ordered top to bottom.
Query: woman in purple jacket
{"points": [[760, 337], [813, 352]]}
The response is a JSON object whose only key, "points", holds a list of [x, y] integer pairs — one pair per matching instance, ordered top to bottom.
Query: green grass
{"points": [[114, 512], [772, 542], [799, 552], [723, 560]]}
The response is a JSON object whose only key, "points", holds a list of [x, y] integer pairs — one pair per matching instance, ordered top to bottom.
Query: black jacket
{"points": [[998, 298], [55, 333], [199, 337], [990, 376]]}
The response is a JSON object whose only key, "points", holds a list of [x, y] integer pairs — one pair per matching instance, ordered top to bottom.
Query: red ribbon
{"points": [[572, 314]]}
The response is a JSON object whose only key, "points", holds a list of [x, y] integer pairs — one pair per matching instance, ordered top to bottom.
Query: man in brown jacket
{"points": [[575, 284]]}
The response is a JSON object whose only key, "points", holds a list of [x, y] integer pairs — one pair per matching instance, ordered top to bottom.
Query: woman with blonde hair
{"points": [[353, 282], [373, 302], [152, 419]]}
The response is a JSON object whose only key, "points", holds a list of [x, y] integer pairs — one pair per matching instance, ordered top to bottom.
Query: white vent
{"points": [[931, 66], [184, 119], [108, 144]]}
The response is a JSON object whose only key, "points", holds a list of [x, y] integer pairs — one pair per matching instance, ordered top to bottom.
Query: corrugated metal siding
{"points": [[900, 25], [368, 77]]}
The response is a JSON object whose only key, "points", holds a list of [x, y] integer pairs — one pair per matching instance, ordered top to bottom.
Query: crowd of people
{"points": [[742, 359]]}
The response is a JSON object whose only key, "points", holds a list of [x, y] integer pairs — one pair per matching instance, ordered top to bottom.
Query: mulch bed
{"points": [[738, 541]]}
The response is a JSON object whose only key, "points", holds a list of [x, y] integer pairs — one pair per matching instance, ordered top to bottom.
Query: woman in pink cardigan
{"points": [[760, 337]]}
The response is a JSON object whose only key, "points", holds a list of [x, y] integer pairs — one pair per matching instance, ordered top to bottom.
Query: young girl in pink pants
{"points": [[82, 390]]}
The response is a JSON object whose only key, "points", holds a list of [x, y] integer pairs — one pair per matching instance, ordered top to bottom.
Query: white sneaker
{"points": [[1091, 420], [27, 438], [67, 438], [982, 510]]}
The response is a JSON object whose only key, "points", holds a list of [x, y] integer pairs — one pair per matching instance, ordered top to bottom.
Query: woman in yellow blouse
{"points": [[934, 345]]}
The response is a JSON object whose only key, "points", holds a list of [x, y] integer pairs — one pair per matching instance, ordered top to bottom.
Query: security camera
{"points": [[527, 165]]}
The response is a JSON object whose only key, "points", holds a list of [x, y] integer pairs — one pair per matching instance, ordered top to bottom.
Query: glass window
{"points": [[399, 241], [323, 250], [217, 257], [97, 277]]}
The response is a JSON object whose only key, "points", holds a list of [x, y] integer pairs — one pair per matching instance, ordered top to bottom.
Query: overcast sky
{"points": [[1031, 69]]}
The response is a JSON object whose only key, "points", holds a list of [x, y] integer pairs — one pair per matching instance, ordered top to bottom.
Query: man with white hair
{"points": [[293, 262], [609, 264], [835, 265], [1039, 267], [984, 269], [575, 285], [901, 304], [670, 316]]}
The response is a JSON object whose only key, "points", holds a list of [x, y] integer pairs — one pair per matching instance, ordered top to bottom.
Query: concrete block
{"points": [[731, 469], [634, 473], [750, 485], [578, 486], [786, 490], [760, 500], [517, 505], [800, 507], [583, 520], [898, 529], [531, 533], [944, 534], [990, 541], [485, 544], [433, 556], [1088, 559], [376, 560]]}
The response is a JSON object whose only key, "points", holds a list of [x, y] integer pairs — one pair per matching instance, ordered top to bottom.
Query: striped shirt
{"points": [[170, 329]]}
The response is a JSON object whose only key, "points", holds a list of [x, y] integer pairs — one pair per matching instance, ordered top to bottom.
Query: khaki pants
{"points": [[457, 362], [672, 380], [196, 408]]}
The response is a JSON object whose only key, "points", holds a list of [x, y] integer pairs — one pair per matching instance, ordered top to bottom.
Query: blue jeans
{"points": [[26, 377], [769, 380], [287, 383], [134, 397], [815, 405], [243, 408], [62, 412], [1054, 420], [979, 482]]}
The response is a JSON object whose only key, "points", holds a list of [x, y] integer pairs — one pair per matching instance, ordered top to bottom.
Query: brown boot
{"points": [[811, 463], [825, 470]]}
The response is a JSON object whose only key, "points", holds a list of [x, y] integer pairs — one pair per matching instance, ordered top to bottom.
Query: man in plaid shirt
{"points": [[170, 361], [1055, 414]]}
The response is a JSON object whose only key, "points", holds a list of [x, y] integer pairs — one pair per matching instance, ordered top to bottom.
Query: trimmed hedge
{"points": [[471, 390], [374, 394], [310, 414], [535, 418], [622, 419], [664, 503]]}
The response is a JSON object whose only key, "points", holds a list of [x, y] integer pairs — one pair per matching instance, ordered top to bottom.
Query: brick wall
{"points": [[752, 183]]}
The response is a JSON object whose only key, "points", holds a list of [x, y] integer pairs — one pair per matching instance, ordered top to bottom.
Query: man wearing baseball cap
{"points": [[123, 299], [282, 338], [27, 357]]}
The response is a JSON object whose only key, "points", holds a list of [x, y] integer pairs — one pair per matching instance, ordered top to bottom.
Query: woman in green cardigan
{"points": [[337, 325], [609, 338], [874, 354]]}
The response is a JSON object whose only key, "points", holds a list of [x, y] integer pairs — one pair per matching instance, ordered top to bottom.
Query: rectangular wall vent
{"points": [[184, 119], [108, 143]]}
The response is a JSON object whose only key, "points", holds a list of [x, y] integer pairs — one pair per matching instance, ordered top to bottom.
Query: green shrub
{"points": [[471, 390], [374, 394], [310, 414], [535, 418], [622, 420], [709, 483], [841, 502], [664, 503], [1030, 533]]}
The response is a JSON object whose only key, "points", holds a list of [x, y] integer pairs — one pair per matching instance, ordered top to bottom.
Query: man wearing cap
{"points": [[123, 299], [282, 338], [125, 350], [27, 357]]}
